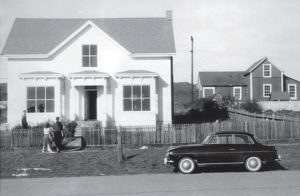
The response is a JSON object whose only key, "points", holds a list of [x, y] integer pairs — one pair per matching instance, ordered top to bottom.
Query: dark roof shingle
{"points": [[137, 35], [222, 78]]}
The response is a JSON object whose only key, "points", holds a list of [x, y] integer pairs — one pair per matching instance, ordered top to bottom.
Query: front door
{"points": [[90, 103]]}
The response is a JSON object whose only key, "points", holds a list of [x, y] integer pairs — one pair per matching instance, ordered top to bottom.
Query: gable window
{"points": [[89, 55], [267, 70], [292, 89], [267, 90], [208, 91], [237, 93], [136, 98], [40, 99]]}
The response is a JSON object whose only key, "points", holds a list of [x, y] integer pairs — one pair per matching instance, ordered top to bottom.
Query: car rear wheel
{"points": [[253, 164], [186, 165]]}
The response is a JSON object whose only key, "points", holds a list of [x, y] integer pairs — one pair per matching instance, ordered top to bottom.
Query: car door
{"points": [[243, 146], [221, 149]]}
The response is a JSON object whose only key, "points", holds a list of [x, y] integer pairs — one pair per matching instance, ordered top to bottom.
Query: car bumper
{"points": [[278, 158], [168, 161]]}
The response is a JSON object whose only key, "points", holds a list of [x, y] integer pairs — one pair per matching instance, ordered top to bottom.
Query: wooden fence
{"points": [[161, 134]]}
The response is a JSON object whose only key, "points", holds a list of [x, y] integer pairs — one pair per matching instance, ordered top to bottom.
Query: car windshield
{"points": [[205, 141]]}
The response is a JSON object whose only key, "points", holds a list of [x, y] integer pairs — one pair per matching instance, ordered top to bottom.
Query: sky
{"points": [[229, 35]]}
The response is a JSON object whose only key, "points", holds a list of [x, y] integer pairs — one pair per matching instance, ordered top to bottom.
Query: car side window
{"points": [[221, 139], [243, 139]]}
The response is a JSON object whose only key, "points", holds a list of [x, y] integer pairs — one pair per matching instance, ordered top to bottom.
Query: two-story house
{"points": [[112, 70], [262, 81]]}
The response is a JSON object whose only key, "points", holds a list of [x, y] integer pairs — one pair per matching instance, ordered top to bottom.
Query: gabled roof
{"points": [[30, 36], [254, 65], [222, 78]]}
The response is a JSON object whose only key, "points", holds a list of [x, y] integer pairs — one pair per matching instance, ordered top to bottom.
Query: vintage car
{"points": [[222, 148]]}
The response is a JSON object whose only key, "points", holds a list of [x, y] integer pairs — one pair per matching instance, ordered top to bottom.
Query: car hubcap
{"points": [[253, 163], [186, 165]]}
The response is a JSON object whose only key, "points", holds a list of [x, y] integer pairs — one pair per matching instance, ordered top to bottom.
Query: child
{"points": [[46, 139]]}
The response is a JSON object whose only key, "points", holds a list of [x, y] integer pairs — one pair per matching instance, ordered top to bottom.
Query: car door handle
{"points": [[231, 149]]}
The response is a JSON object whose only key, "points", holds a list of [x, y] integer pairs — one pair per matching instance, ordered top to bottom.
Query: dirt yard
{"points": [[103, 161]]}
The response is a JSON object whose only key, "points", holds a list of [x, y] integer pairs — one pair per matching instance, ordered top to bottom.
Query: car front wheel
{"points": [[253, 164], [186, 165]]}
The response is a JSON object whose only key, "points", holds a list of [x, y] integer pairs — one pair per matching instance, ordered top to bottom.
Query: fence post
{"points": [[120, 145]]}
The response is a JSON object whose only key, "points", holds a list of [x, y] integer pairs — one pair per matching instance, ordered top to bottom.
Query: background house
{"points": [[116, 71], [262, 81]]}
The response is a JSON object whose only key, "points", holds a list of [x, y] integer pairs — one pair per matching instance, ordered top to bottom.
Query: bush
{"points": [[252, 107], [202, 110], [71, 128]]}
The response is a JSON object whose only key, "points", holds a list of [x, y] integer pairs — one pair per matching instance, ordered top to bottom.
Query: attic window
{"points": [[89, 55], [267, 70]]}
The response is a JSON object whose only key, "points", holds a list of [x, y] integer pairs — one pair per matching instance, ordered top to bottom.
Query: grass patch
{"points": [[103, 161]]}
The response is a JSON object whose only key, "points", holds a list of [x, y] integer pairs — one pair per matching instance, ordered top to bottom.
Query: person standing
{"points": [[24, 120], [58, 134], [46, 139]]}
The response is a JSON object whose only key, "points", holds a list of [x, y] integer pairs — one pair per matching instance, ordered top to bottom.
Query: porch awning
{"points": [[89, 73], [136, 73], [41, 74], [88, 78], [280, 96]]}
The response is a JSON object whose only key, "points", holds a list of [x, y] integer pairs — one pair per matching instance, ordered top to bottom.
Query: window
{"points": [[89, 55], [267, 70], [292, 89], [267, 90], [208, 91], [237, 93], [136, 98], [40, 99], [3, 103], [221, 139], [243, 139]]}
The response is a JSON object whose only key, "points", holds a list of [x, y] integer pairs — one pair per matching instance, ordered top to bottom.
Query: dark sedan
{"points": [[222, 148]]}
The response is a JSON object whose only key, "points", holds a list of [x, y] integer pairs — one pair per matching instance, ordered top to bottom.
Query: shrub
{"points": [[252, 107], [202, 110], [71, 128]]}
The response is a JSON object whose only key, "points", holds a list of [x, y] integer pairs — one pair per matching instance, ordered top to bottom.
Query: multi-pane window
{"points": [[89, 55], [267, 70], [267, 90], [292, 91], [237, 93], [136, 98], [40, 99], [3, 103]]}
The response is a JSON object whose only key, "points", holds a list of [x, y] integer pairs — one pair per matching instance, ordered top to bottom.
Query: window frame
{"points": [[89, 55], [270, 70], [264, 85], [208, 88], [240, 88], [295, 93], [140, 98], [36, 99]]}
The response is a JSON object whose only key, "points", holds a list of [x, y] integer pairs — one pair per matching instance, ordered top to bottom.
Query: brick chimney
{"points": [[169, 15]]}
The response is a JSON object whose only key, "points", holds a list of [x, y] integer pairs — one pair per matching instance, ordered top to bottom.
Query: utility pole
{"points": [[192, 68]]}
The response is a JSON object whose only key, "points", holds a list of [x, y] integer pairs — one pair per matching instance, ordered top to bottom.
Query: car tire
{"points": [[253, 164], [186, 165]]}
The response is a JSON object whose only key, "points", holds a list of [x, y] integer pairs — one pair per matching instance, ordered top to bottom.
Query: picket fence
{"points": [[160, 134]]}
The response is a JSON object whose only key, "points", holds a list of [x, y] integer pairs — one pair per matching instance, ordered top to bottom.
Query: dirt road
{"points": [[239, 183]]}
